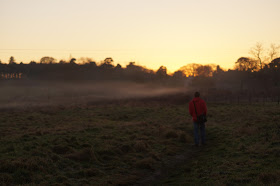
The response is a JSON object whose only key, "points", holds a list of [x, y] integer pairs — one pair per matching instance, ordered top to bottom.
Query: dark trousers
{"points": [[197, 128]]}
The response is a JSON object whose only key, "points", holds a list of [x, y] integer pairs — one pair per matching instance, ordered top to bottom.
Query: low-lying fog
{"points": [[19, 94]]}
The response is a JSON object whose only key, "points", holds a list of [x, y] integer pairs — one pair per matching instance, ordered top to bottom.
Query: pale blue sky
{"points": [[151, 32]]}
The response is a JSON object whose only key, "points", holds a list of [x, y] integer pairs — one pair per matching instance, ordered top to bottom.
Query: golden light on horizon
{"points": [[151, 33]]}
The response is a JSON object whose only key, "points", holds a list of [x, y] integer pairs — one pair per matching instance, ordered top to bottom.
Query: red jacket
{"points": [[200, 107]]}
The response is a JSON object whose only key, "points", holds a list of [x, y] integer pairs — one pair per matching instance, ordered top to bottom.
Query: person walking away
{"points": [[198, 110]]}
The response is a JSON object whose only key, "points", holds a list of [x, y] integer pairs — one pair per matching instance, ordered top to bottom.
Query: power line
{"points": [[58, 50]]}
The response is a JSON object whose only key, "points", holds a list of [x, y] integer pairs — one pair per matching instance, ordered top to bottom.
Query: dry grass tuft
{"points": [[247, 130], [171, 134], [184, 138], [141, 146], [126, 148], [59, 149], [171, 151], [86, 154], [155, 156], [147, 163], [90, 172], [269, 177], [6, 178], [120, 179]]}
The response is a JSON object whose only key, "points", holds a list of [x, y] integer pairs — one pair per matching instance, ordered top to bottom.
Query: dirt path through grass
{"points": [[170, 166], [173, 167]]}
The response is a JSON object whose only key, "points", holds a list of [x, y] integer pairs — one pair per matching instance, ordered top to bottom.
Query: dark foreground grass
{"points": [[115, 143], [122, 143], [243, 148]]}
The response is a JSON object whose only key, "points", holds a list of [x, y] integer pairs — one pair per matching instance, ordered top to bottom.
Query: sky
{"points": [[172, 33]]}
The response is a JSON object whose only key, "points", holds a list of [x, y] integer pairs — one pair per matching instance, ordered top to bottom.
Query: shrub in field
{"points": [[247, 130], [171, 134], [184, 138], [141, 146], [125, 148], [61, 149], [172, 150], [108, 153], [86, 154], [155, 156], [147, 163], [89, 172], [22, 176], [269, 177], [6, 178]]}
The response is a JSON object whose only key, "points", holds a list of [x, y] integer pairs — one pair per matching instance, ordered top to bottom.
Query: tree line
{"points": [[87, 70], [258, 73]]}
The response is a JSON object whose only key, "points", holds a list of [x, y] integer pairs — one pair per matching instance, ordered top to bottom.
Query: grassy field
{"points": [[122, 143], [243, 148]]}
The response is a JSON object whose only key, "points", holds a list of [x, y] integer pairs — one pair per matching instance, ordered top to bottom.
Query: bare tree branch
{"points": [[257, 51], [274, 51]]}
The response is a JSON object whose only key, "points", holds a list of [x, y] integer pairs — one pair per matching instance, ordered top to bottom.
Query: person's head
{"points": [[196, 94]]}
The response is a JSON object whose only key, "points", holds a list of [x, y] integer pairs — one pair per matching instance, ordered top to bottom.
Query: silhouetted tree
{"points": [[258, 51], [274, 51], [12, 60], [47, 60], [85, 60], [62, 61], [72, 61], [92, 63], [107, 63], [246, 64], [275, 64], [118, 67], [190, 69], [219, 69], [204, 70], [274, 71], [162, 72], [137, 73], [179, 74]]}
